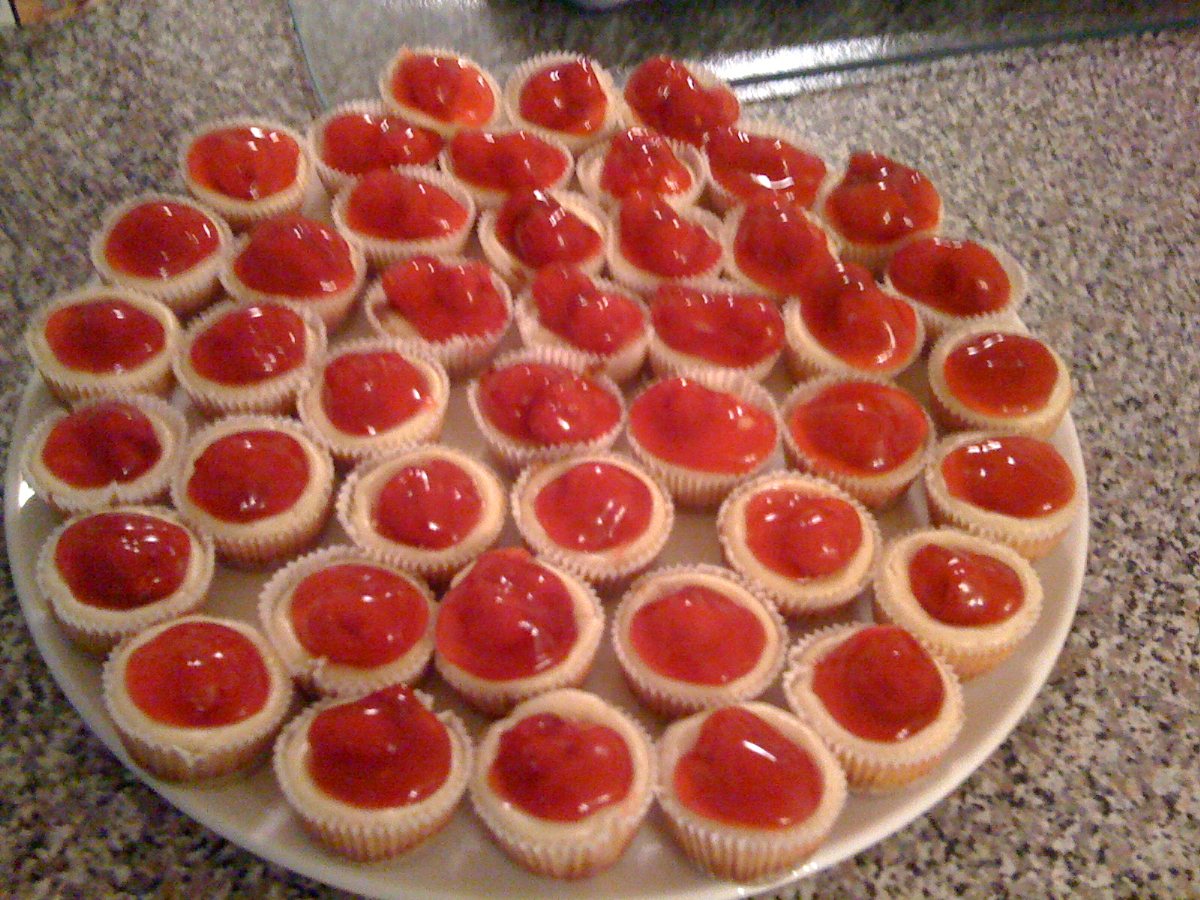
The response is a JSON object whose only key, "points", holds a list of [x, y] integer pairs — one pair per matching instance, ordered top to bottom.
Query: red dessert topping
{"points": [[445, 88], [565, 97], [669, 98], [357, 143], [642, 160], [244, 162], [508, 162], [756, 167], [879, 200], [396, 207], [539, 231], [160, 239], [657, 239], [779, 247], [295, 257], [960, 278], [442, 300], [570, 305], [848, 315], [721, 327], [104, 336], [250, 344], [1001, 374], [369, 393], [547, 404], [687, 424], [860, 428], [102, 444], [249, 475], [1013, 476], [432, 505], [593, 507], [801, 535], [122, 561], [961, 587], [358, 615], [508, 618], [698, 635], [198, 675], [880, 684], [383, 750], [559, 769], [744, 771]]}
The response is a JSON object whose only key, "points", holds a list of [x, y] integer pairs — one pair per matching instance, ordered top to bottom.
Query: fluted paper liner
{"points": [[425, 120], [575, 143], [590, 167], [490, 198], [721, 200], [730, 226], [516, 271], [627, 273]]}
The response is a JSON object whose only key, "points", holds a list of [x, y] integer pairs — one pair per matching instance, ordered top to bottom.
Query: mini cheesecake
{"points": [[441, 90], [564, 96], [683, 100], [361, 136], [640, 160], [755, 161], [494, 165], [247, 169], [875, 205], [397, 213], [537, 228], [652, 242], [164, 246], [776, 246], [300, 261], [566, 307], [456, 308], [714, 325], [97, 341], [248, 357], [986, 378], [372, 397], [541, 403], [702, 433], [868, 437], [105, 452], [260, 485], [1010, 488], [428, 510], [599, 516], [802, 541], [108, 575], [971, 600], [345, 624], [513, 626], [693, 637], [196, 697], [887, 707], [373, 776], [563, 783], [748, 790]]}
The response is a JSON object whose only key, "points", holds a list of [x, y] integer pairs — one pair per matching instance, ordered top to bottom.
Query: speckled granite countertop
{"points": [[1080, 159]]}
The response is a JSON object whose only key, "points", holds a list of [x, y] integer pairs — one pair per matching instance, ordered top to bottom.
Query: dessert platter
{"points": [[526, 488]]}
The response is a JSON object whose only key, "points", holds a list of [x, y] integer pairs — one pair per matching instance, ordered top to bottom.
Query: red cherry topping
{"points": [[445, 88], [566, 97], [669, 98], [357, 143], [641, 160], [507, 161], [244, 162], [756, 167], [879, 200], [395, 207], [539, 231], [160, 239], [657, 239], [778, 247], [295, 257], [959, 278], [445, 300], [571, 305], [848, 315], [720, 327], [104, 336], [250, 344], [1001, 374], [372, 392], [547, 404], [102, 444], [249, 475], [1013, 476], [432, 505], [593, 507], [802, 535], [122, 561], [961, 587], [358, 615], [509, 617], [198, 675], [880, 684], [383, 750]]}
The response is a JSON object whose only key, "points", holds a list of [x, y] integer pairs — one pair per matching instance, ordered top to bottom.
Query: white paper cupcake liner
{"points": [[703, 75], [424, 119], [575, 143], [590, 167], [489, 198], [720, 199], [244, 214], [732, 223], [382, 252], [516, 271], [627, 273], [184, 293], [71, 385], [273, 396], [170, 427], [423, 428], [516, 454], [698, 489], [875, 491], [799, 597], [96, 629]]}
